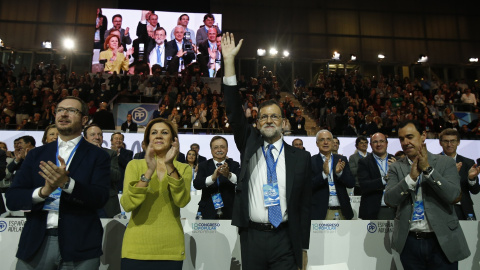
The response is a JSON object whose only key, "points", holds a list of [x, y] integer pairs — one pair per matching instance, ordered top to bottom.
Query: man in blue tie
{"points": [[156, 48], [273, 195]]}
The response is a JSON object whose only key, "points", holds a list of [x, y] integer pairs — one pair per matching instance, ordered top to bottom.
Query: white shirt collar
{"points": [[62, 143]]}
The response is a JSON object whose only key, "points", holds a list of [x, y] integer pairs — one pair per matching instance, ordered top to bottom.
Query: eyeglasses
{"points": [[70, 111], [274, 117], [321, 140], [449, 141], [379, 142]]}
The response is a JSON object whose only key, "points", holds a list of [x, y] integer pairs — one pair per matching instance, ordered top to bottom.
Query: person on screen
{"points": [[183, 20], [101, 24], [117, 25], [142, 28], [202, 32], [156, 48], [210, 52], [177, 57], [114, 60]]}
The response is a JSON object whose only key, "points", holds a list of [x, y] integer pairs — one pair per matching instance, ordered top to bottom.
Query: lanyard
{"points": [[71, 154], [275, 163], [380, 165]]}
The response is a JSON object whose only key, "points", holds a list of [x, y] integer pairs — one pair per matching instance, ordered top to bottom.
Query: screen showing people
{"points": [[126, 41]]}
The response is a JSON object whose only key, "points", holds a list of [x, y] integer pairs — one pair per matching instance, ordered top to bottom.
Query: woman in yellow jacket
{"points": [[115, 59], [155, 188]]}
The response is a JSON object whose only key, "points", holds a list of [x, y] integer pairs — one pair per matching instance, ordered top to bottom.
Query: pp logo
{"points": [[139, 114], [3, 226], [371, 227]]}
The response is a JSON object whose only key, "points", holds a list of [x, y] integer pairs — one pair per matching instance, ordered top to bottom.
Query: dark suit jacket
{"points": [[142, 29], [151, 46], [136, 48], [173, 62], [104, 119], [133, 127], [248, 140], [140, 155], [181, 157], [123, 159], [201, 159], [3, 166], [372, 187], [226, 189], [321, 192], [466, 202], [112, 207], [80, 231]]}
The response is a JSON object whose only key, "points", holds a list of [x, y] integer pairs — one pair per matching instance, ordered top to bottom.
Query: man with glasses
{"points": [[361, 143], [467, 169], [331, 176], [372, 176], [217, 178], [61, 186], [273, 192]]}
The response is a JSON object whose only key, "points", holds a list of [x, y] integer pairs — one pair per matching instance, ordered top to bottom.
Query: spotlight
{"points": [[68, 43], [47, 44], [273, 51], [261, 52], [286, 53], [336, 55], [381, 56], [353, 57], [422, 59], [473, 60]]}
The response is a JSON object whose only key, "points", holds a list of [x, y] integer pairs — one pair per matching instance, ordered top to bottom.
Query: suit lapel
{"points": [[290, 163]]}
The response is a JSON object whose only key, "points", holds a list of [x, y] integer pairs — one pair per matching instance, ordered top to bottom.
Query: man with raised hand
{"points": [[272, 196]]}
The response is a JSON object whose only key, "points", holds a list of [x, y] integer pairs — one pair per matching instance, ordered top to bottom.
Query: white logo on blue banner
{"points": [[139, 114]]}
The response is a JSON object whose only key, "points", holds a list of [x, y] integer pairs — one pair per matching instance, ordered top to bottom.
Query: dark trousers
{"points": [[262, 250], [419, 254], [128, 264]]}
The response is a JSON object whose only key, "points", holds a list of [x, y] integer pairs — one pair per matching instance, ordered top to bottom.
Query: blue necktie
{"points": [[158, 55], [274, 212]]}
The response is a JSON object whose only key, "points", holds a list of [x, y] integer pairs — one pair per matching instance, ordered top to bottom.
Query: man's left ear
{"points": [[84, 120]]}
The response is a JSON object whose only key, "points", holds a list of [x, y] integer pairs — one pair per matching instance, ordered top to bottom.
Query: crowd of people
{"points": [[352, 105], [70, 182]]}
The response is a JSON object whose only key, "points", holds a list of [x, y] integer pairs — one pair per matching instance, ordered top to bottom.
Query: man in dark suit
{"points": [[152, 20], [202, 32], [124, 33], [155, 48], [176, 53], [210, 54], [103, 118], [129, 125], [94, 134], [22, 146], [195, 147], [124, 155], [269, 164], [467, 169], [372, 172], [217, 175], [331, 177], [62, 185], [425, 187]]}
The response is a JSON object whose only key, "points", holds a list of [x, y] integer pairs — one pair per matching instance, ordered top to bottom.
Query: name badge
{"points": [[271, 196], [217, 200], [52, 202], [418, 211]]}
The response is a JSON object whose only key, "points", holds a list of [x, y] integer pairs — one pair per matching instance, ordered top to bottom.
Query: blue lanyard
{"points": [[71, 154], [275, 163], [380, 165]]}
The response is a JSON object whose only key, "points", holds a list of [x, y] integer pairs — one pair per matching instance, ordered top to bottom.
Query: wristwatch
{"points": [[428, 171], [144, 179]]}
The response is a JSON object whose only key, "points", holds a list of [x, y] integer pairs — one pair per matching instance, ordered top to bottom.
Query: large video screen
{"points": [[138, 39]]}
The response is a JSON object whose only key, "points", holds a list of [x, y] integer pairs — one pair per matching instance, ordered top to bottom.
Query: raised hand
{"points": [[229, 50], [340, 166], [473, 172]]}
